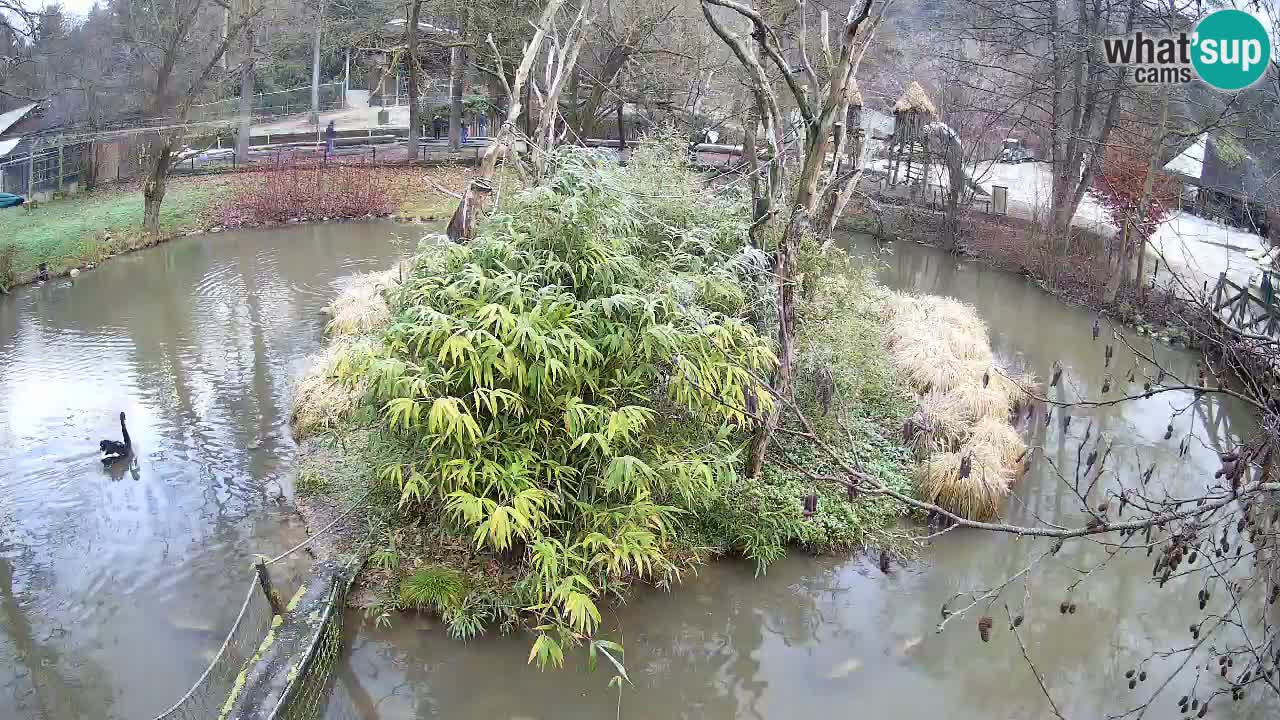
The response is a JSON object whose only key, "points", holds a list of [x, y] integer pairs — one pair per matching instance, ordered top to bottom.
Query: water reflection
{"points": [[116, 584], [821, 637]]}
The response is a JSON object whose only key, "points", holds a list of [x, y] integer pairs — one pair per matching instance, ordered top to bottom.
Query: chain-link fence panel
{"points": [[308, 693], [207, 697]]}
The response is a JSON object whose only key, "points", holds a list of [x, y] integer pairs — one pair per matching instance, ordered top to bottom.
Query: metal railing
{"points": [[274, 104]]}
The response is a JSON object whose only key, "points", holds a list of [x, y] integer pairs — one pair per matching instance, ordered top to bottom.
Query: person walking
{"points": [[330, 134]]}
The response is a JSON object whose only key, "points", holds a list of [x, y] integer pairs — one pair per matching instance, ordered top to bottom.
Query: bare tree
{"points": [[17, 26], [166, 40], [1044, 54], [561, 59], [315, 63], [415, 73], [248, 77], [457, 85], [818, 115], [473, 201]]}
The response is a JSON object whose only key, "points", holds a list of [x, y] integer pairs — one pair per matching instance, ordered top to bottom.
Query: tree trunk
{"points": [[411, 41], [560, 66], [315, 68], [456, 68], [248, 77], [586, 115], [622, 131], [1148, 184], [153, 188], [759, 200], [1117, 265], [785, 271]]}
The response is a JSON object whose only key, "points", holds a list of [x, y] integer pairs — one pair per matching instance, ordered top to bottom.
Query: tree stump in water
{"points": [[474, 201]]}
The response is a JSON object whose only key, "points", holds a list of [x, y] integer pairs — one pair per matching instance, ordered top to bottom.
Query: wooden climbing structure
{"points": [[909, 145]]}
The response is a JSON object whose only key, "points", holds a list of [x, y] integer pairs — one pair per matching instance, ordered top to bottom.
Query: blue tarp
{"points": [[7, 200]]}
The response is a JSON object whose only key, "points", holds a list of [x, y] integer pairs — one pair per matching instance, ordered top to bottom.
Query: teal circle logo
{"points": [[1231, 50]]}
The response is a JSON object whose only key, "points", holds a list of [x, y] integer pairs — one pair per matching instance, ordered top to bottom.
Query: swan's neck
{"points": [[125, 432]]}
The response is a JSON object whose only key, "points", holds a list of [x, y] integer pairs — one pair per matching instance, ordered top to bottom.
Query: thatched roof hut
{"points": [[914, 100], [853, 118]]}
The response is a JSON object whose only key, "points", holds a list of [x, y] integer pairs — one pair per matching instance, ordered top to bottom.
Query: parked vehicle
{"points": [[1015, 152], [8, 200]]}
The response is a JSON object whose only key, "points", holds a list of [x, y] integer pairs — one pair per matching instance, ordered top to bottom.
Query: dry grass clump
{"points": [[361, 308], [941, 345], [926, 369], [1013, 387], [329, 391], [322, 397], [976, 403], [936, 427], [997, 438], [940, 480]]}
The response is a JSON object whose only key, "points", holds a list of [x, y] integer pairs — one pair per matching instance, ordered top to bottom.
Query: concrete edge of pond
{"points": [[270, 677]]}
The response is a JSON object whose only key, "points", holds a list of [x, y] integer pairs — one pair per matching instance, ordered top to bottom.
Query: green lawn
{"points": [[72, 231]]}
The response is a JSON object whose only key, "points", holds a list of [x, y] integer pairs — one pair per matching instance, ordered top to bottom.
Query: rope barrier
{"points": [[323, 530], [244, 610], [226, 642]]}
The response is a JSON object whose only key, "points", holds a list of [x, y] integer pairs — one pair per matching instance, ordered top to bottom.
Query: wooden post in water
{"points": [[264, 582]]}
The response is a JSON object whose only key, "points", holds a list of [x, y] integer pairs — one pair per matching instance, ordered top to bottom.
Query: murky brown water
{"points": [[116, 587], [833, 637]]}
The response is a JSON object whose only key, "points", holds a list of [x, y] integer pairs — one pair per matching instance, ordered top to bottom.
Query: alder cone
{"points": [[984, 628]]}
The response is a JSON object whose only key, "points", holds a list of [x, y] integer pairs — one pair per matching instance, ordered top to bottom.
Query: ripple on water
{"points": [[122, 577]]}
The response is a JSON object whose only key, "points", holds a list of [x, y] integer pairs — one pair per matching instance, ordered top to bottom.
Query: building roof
{"points": [[11, 118], [7, 146], [1190, 162], [1229, 168]]}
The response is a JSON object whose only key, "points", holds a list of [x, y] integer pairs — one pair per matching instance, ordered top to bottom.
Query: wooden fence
{"points": [[1244, 311]]}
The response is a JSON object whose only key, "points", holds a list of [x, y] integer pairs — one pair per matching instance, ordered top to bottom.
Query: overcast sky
{"points": [[70, 7]]}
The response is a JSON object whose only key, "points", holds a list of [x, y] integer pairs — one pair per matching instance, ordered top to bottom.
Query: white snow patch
{"points": [[7, 120], [7, 146], [1190, 162], [1030, 189], [1195, 248], [1200, 250]]}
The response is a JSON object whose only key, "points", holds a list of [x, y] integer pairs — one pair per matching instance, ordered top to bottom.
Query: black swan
{"points": [[112, 450]]}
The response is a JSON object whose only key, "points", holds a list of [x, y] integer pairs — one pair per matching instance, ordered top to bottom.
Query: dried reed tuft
{"points": [[971, 454]]}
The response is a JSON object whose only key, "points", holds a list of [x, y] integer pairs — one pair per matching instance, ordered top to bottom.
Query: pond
{"points": [[117, 585], [818, 637]]}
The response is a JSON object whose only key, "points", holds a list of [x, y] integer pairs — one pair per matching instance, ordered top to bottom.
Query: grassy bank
{"points": [[87, 228], [559, 409]]}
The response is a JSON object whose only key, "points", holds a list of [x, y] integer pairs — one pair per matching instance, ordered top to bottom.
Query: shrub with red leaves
{"points": [[1119, 188], [310, 192], [1021, 246]]}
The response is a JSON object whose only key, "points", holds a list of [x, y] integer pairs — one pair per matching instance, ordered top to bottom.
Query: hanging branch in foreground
{"points": [[1220, 542]]}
